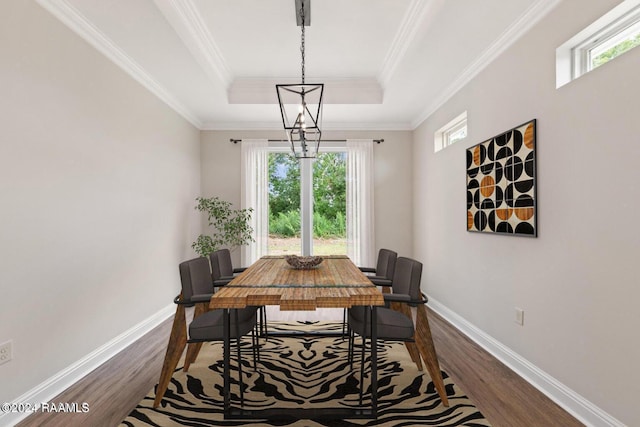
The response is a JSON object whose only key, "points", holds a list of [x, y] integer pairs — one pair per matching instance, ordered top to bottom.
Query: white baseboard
{"points": [[46, 391], [572, 402], [585, 411]]}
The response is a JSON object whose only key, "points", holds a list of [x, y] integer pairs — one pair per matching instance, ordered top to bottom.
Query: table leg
{"points": [[374, 362], [226, 389]]}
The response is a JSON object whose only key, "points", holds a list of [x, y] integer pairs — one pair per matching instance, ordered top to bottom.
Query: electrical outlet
{"points": [[519, 318], [6, 352]]}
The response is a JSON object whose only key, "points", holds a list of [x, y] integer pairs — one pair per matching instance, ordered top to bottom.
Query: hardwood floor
{"points": [[116, 387], [502, 396]]}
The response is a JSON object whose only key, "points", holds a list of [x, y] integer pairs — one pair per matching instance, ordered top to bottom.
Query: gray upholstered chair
{"points": [[222, 272], [216, 273], [382, 273], [396, 323], [207, 325]]}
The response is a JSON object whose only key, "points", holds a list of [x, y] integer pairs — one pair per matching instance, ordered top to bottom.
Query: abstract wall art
{"points": [[501, 183]]}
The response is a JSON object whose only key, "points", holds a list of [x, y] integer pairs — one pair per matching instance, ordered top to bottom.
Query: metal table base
{"points": [[342, 413]]}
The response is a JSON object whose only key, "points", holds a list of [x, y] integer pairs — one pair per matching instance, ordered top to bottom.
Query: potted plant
{"points": [[230, 227]]}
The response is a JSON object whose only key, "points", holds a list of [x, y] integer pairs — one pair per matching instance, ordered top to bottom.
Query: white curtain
{"points": [[255, 195], [360, 227]]}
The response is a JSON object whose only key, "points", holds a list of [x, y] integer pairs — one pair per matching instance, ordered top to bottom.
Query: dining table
{"points": [[334, 283]]}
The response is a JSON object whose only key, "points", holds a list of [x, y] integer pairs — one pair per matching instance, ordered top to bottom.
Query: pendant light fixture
{"points": [[301, 104]]}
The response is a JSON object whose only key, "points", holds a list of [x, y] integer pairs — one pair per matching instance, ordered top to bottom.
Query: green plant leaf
{"points": [[229, 227]]}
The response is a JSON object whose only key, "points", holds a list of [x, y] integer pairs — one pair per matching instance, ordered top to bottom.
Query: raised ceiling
{"points": [[386, 64]]}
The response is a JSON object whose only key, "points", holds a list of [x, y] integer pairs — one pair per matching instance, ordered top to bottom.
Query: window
{"points": [[610, 36], [603, 52], [451, 133], [269, 171], [329, 204]]}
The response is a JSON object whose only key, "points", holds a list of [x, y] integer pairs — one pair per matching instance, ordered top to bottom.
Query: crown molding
{"points": [[415, 16], [186, 20], [79, 24], [521, 26], [337, 91], [249, 125], [326, 126], [365, 126]]}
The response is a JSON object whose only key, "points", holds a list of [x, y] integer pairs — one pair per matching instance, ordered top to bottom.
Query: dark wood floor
{"points": [[504, 398]]}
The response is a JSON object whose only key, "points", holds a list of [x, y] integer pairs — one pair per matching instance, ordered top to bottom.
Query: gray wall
{"points": [[97, 178], [392, 187], [578, 281]]}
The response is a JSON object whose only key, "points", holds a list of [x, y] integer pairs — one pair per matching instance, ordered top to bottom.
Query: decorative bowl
{"points": [[303, 262]]}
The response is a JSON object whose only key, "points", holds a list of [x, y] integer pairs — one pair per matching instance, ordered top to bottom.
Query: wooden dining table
{"points": [[335, 283]]}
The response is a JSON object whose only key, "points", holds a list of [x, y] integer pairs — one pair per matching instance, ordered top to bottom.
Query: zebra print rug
{"points": [[305, 372]]}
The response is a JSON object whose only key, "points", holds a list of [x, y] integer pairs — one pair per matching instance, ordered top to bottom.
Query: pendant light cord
{"points": [[302, 38]]}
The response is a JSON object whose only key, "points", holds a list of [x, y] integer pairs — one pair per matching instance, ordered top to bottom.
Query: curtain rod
{"points": [[235, 141]]}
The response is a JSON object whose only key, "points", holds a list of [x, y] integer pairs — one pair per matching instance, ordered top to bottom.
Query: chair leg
{"points": [[263, 322], [344, 323], [364, 344], [425, 345], [255, 346], [411, 346], [175, 347], [194, 348], [351, 349], [240, 383]]}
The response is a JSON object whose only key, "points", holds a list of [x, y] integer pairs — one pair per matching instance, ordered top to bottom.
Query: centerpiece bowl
{"points": [[303, 262]]}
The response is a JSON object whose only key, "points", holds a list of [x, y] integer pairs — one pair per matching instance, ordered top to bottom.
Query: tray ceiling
{"points": [[386, 64]]}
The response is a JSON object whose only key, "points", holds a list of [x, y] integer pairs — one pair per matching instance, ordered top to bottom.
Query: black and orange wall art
{"points": [[501, 183]]}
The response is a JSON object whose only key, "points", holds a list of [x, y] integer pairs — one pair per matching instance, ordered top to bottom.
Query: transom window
{"points": [[615, 33], [609, 43], [451, 133], [456, 133]]}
